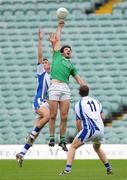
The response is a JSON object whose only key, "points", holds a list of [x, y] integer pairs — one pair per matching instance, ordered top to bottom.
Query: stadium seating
{"points": [[99, 51]]}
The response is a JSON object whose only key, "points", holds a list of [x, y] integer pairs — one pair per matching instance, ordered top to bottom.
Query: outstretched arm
{"points": [[55, 39], [40, 56], [79, 80]]}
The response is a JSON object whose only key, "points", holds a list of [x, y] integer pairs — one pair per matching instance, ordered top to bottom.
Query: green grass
{"points": [[49, 170]]}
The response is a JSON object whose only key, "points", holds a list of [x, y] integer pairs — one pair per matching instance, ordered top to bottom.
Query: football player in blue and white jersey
{"points": [[40, 104], [89, 122]]}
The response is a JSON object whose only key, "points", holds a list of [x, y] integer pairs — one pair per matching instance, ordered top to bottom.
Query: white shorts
{"points": [[59, 92], [38, 103], [85, 135]]}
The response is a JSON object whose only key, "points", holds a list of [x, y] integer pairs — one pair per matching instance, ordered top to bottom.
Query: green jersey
{"points": [[62, 68]]}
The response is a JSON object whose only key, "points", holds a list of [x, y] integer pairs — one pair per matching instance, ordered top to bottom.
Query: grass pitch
{"points": [[50, 169]]}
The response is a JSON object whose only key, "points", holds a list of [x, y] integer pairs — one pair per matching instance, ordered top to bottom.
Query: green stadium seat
{"points": [[6, 7], [17, 7], [29, 8], [42, 15], [31, 16], [19, 17], [124, 101], [11, 105], [14, 112], [3, 117], [14, 118], [6, 123], [117, 123], [120, 130], [71, 132], [110, 135], [122, 135], [2, 140], [12, 140], [113, 140], [123, 140]]}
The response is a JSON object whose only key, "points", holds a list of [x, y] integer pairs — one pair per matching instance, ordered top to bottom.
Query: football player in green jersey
{"points": [[59, 93]]}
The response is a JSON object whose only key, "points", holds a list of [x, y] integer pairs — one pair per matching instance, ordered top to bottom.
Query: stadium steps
{"points": [[107, 8]]}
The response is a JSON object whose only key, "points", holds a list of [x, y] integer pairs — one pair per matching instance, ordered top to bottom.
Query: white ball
{"points": [[62, 13]]}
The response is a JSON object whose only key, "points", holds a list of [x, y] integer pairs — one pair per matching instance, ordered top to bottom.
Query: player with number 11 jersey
{"points": [[89, 110]]}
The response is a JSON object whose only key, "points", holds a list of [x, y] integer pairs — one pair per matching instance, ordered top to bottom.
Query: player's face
{"points": [[67, 53], [46, 66]]}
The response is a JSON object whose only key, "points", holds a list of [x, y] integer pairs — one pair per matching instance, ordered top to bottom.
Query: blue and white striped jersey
{"points": [[43, 82], [88, 110]]}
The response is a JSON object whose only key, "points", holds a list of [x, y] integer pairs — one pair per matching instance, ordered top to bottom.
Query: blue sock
{"points": [[37, 129], [35, 132], [26, 146], [24, 149], [107, 165], [68, 167]]}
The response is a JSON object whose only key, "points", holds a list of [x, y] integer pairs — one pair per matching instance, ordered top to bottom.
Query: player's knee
{"points": [[47, 116], [53, 116], [64, 117], [46, 119], [73, 146]]}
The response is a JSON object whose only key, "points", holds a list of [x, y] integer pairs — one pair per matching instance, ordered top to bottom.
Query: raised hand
{"points": [[61, 23], [40, 34], [52, 38], [40, 55]]}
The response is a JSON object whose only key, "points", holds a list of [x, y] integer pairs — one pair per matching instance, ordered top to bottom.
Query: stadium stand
{"points": [[99, 46]]}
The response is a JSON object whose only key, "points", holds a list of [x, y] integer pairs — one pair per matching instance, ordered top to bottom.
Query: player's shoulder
{"points": [[56, 52], [40, 66], [40, 69], [86, 98], [92, 98], [96, 100]]}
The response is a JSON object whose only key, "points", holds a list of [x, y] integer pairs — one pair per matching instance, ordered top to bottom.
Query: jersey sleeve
{"points": [[56, 54], [40, 69], [74, 71], [77, 113]]}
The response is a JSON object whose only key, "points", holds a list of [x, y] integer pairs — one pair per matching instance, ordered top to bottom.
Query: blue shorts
{"points": [[38, 103]]}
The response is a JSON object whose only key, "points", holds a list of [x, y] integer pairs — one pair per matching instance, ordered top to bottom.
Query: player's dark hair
{"points": [[63, 47], [45, 59], [84, 90]]}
